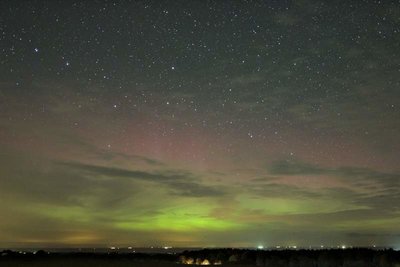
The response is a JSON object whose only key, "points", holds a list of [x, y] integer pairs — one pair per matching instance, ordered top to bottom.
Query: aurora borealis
{"points": [[199, 123]]}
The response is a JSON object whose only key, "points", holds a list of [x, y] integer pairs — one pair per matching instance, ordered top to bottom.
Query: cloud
{"points": [[91, 150], [291, 167], [295, 167], [36, 180], [44, 182], [179, 182], [370, 188], [271, 190]]}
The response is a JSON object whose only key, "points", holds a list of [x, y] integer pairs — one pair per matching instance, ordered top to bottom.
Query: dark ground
{"points": [[227, 257]]}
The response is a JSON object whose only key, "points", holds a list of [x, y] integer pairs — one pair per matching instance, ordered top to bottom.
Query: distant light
{"points": [[278, 246], [129, 247], [260, 247], [294, 247], [343, 247], [112, 248], [205, 262]]}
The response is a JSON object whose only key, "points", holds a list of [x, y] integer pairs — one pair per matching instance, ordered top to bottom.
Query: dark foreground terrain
{"points": [[227, 257], [44, 259]]}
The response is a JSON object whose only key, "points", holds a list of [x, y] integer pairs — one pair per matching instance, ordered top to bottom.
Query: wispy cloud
{"points": [[179, 182], [371, 188]]}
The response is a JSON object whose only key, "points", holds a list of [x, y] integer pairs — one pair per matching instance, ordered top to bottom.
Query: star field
{"points": [[199, 123]]}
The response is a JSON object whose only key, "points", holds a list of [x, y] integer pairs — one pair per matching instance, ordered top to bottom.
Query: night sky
{"points": [[199, 123]]}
